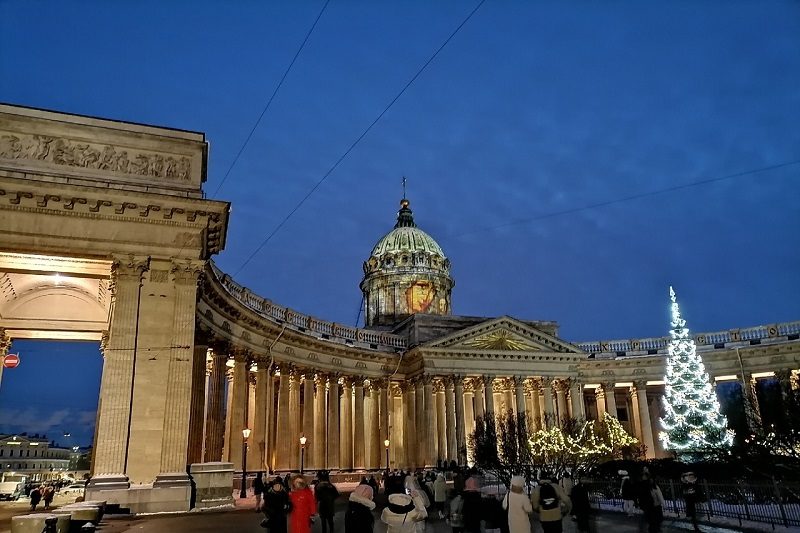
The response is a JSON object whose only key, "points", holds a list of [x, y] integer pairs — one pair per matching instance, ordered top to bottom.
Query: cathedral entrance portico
{"points": [[105, 237]]}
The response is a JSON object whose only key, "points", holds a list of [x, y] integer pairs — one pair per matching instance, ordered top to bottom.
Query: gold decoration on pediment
{"points": [[500, 339]]}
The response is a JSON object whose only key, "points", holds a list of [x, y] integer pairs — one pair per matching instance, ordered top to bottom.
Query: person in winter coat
{"points": [[412, 485], [258, 490], [628, 493], [326, 494], [440, 494], [692, 494], [47, 496], [36, 497], [549, 500], [651, 502], [580, 505], [472, 506], [518, 506], [276, 507], [303, 508], [404, 513], [457, 513], [358, 518], [495, 518]]}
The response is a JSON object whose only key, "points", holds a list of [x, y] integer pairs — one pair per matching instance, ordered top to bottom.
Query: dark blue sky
{"points": [[532, 108]]}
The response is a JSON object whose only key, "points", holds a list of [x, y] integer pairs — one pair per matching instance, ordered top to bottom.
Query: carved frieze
{"points": [[75, 153]]}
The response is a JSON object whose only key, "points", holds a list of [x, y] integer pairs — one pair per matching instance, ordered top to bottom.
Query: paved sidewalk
{"points": [[241, 521]]}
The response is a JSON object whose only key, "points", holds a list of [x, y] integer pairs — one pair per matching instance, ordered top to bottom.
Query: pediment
{"points": [[502, 334]]}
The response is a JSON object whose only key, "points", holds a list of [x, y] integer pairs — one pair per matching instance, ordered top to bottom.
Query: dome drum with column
{"points": [[406, 273]]}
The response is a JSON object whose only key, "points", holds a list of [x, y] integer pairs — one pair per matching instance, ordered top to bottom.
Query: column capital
{"points": [[128, 267], [187, 271], [104, 336], [241, 355], [784, 375], [320, 379], [358, 381], [518, 381], [347, 382], [608, 385], [640, 385]]}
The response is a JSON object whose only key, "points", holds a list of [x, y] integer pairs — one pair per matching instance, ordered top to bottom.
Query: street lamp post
{"points": [[245, 435], [303, 441], [386, 443]]}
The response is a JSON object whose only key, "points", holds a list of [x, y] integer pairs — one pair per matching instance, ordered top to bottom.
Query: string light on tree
{"points": [[692, 422]]}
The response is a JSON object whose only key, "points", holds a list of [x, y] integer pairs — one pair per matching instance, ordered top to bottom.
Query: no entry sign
{"points": [[11, 361]]}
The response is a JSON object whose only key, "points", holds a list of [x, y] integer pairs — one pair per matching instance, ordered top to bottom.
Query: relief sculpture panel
{"points": [[72, 153]]}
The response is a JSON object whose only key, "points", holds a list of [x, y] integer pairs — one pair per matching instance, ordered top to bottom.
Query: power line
{"points": [[272, 97], [359, 138], [637, 196]]}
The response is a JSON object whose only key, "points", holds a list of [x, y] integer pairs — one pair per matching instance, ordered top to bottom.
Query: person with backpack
{"points": [[549, 500]]}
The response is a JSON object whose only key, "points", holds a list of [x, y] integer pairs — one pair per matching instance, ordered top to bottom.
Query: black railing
{"points": [[769, 503]]}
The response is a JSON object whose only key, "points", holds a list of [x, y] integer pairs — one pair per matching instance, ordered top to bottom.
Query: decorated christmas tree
{"points": [[692, 422]]}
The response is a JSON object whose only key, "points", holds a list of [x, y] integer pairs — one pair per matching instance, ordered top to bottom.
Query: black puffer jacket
{"points": [[358, 518]]}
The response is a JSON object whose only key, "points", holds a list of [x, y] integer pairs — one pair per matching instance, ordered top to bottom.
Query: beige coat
{"points": [[519, 510], [551, 515]]}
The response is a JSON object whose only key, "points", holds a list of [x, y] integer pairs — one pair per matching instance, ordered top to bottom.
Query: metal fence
{"points": [[769, 503]]}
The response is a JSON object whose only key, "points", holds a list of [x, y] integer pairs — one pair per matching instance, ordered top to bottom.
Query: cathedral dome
{"points": [[406, 237], [406, 273]]}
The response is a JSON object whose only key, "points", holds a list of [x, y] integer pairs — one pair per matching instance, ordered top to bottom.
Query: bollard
{"points": [[50, 525]]}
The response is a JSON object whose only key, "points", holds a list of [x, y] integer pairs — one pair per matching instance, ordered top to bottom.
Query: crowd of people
{"points": [[413, 499]]}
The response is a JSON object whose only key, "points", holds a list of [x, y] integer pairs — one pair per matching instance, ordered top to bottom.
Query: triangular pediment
{"points": [[502, 334]]}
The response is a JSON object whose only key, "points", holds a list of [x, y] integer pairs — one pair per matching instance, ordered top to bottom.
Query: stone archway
{"points": [[105, 235]]}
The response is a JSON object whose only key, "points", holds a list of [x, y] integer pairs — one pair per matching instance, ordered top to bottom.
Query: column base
{"points": [[173, 479], [108, 482]]}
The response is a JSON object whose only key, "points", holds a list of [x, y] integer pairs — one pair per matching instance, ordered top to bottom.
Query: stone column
{"points": [[477, 390], [488, 393], [519, 394], [561, 398], [576, 399], [611, 399], [600, 400], [228, 406], [197, 408], [238, 408], [752, 409], [384, 415], [450, 418], [536, 418], [308, 419], [469, 419], [550, 419], [294, 420], [419, 421], [333, 422], [441, 423], [215, 424], [409, 429], [646, 430], [111, 437], [461, 437], [318, 444], [376, 444], [258, 449], [346, 449], [359, 452], [283, 459]]}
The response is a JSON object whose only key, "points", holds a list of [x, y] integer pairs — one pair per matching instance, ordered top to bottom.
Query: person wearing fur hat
{"points": [[412, 485], [628, 493], [693, 494], [549, 500], [303, 506], [472, 506], [518, 506], [276, 507], [405, 513], [358, 518]]}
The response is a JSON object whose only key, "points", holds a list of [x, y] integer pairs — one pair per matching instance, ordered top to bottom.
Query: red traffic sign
{"points": [[11, 360]]}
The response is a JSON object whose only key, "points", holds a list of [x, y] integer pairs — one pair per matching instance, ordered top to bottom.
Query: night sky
{"points": [[532, 109]]}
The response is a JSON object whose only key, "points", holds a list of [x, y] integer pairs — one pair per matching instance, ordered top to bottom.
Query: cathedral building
{"points": [[106, 235], [417, 377]]}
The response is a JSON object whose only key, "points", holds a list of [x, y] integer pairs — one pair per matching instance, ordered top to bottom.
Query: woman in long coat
{"points": [[303, 506], [519, 507], [358, 518]]}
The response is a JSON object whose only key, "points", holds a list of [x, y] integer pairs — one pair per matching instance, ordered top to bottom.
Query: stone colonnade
{"points": [[426, 419]]}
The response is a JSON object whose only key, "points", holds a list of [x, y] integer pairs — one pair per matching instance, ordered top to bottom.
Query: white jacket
{"points": [[519, 509], [408, 522]]}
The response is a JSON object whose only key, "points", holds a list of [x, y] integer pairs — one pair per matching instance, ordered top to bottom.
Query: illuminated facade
{"points": [[191, 358]]}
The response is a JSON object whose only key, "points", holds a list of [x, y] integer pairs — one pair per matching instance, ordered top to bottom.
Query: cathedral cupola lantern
{"points": [[406, 273]]}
